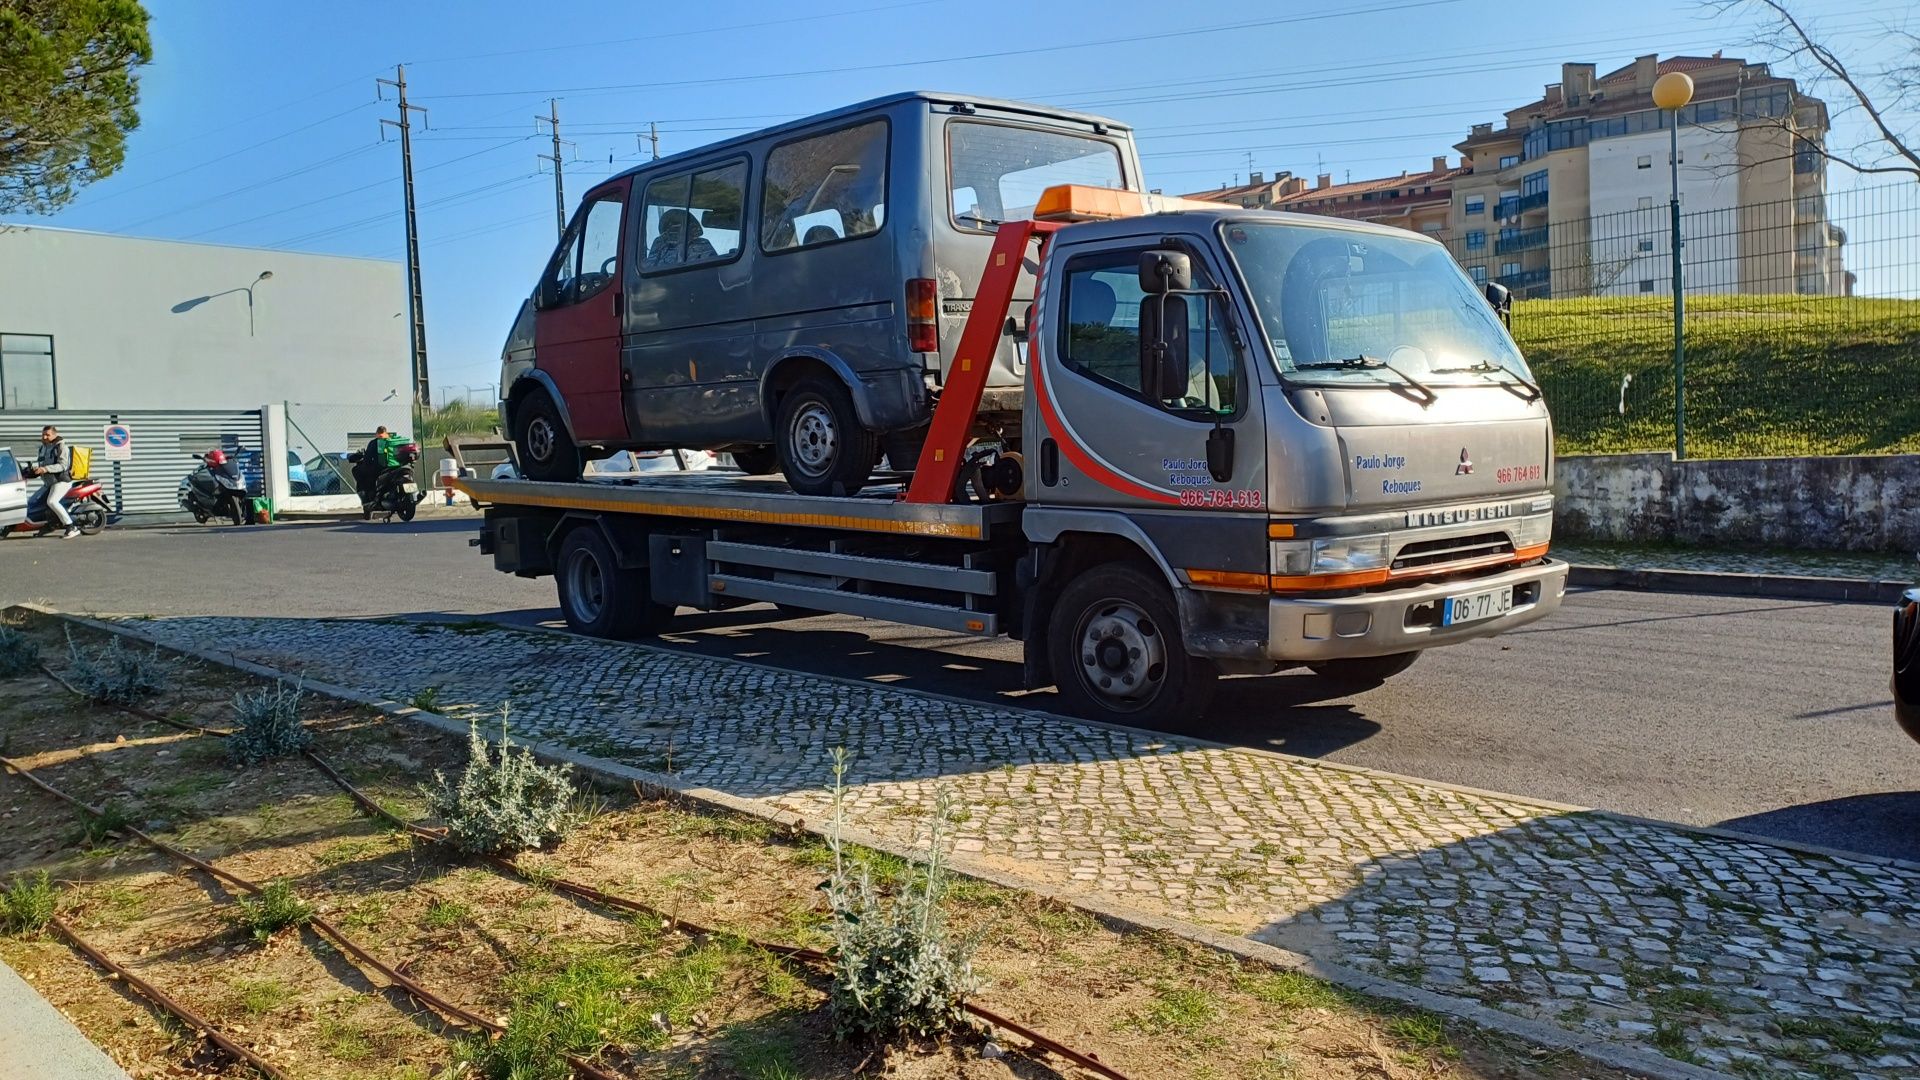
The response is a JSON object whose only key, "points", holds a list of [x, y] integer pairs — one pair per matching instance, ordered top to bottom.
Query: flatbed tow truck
{"points": [[1225, 493]]}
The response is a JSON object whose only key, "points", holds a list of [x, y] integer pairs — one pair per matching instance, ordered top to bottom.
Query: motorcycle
{"points": [[215, 489], [393, 491], [85, 505]]}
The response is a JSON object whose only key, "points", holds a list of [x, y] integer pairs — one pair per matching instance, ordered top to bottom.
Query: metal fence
{"points": [[1802, 321], [322, 435], [145, 487]]}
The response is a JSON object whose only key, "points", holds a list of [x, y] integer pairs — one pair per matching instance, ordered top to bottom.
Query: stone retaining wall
{"points": [[1811, 503]]}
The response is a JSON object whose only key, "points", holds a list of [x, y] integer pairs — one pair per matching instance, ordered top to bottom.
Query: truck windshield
{"points": [[998, 172], [1352, 307]]}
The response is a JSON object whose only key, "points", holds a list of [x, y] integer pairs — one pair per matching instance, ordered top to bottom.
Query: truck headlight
{"points": [[1532, 531], [1331, 555]]}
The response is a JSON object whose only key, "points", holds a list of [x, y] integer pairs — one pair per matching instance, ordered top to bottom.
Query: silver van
{"points": [[793, 296]]}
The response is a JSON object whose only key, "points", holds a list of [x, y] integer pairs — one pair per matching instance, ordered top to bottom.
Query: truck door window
{"points": [[996, 173], [825, 188], [693, 218], [589, 255], [1100, 336]]}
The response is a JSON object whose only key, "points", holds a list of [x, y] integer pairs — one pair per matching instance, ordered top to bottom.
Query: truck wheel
{"points": [[545, 449], [823, 449], [755, 460], [600, 599], [1116, 652], [1365, 671]]}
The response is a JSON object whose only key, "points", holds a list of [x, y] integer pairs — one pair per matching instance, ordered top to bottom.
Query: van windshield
{"points": [[998, 172], [1348, 306]]}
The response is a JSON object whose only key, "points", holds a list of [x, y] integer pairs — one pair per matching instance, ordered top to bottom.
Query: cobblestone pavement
{"points": [[1834, 564], [1743, 957]]}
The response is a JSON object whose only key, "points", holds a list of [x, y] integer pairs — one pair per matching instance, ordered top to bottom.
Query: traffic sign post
{"points": [[119, 442]]}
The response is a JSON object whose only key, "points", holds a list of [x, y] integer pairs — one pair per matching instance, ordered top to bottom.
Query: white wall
{"points": [[1709, 181], [154, 324]]}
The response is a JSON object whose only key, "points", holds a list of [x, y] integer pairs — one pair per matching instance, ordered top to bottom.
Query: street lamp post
{"points": [[1671, 92], [265, 275]]}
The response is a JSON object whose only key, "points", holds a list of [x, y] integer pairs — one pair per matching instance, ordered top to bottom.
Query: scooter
{"points": [[215, 489], [393, 490], [85, 505]]}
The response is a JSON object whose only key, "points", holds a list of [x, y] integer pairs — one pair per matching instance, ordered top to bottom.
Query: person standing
{"points": [[54, 466]]}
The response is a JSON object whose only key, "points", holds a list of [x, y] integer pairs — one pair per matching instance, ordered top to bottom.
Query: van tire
{"points": [[541, 441], [823, 448], [755, 460], [598, 597], [1131, 613], [1364, 672]]}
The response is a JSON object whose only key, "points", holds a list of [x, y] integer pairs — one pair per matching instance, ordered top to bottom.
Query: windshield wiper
{"points": [[1365, 362], [1511, 383]]}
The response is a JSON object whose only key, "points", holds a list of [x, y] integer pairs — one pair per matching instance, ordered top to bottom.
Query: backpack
{"points": [[82, 464]]}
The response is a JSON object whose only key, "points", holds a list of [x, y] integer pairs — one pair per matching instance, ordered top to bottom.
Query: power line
{"points": [[231, 154], [269, 181]]}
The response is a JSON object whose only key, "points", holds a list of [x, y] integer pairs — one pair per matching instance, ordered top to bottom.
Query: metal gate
{"points": [[164, 442]]}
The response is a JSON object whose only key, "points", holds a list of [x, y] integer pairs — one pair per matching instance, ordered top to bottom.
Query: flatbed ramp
{"points": [[709, 540]]}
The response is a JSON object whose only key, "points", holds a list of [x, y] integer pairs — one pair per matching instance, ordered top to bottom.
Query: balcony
{"points": [[1513, 206], [1520, 240], [1526, 278]]}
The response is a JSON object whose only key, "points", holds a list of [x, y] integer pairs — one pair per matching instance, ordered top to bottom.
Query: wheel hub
{"points": [[540, 439], [815, 441], [586, 587], [1123, 657]]}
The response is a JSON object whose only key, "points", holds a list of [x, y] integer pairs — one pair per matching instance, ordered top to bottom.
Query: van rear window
{"points": [[998, 173]]}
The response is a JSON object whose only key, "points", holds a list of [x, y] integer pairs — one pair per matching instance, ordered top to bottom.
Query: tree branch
{"points": [[1835, 67]]}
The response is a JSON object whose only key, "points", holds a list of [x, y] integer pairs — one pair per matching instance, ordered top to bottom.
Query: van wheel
{"points": [[545, 449], [823, 449], [755, 460], [599, 598], [1116, 652], [1362, 672]]}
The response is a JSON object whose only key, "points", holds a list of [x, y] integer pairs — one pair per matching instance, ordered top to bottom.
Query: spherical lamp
{"points": [[1672, 90]]}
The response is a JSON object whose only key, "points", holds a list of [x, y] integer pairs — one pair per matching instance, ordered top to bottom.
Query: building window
{"points": [[1806, 155], [1508, 161], [1645, 161], [1533, 183], [825, 188], [1646, 202], [1476, 204], [1477, 240], [1646, 245], [1509, 269], [1478, 272], [1646, 284], [26, 372]]}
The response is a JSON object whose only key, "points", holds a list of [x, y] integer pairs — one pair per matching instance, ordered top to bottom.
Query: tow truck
{"points": [[1250, 441]]}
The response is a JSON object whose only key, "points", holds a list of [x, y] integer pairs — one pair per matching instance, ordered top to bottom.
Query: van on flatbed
{"points": [[1248, 441]]}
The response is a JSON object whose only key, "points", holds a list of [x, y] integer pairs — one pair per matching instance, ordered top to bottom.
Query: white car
{"points": [[638, 463]]}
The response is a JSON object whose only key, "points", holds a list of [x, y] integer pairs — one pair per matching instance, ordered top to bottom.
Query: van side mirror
{"points": [[1163, 271], [1163, 346]]}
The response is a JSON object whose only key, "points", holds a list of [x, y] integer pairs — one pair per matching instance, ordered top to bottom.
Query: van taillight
{"points": [[923, 322]]}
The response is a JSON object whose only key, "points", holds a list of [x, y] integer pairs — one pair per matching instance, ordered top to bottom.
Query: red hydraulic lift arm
{"points": [[946, 446]]}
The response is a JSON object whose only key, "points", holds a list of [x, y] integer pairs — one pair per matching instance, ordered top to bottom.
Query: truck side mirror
{"points": [[1164, 271], [1499, 297], [1163, 347]]}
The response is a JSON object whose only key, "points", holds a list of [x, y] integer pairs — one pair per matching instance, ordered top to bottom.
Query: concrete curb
{"points": [[1771, 586], [1116, 916], [37, 1040]]}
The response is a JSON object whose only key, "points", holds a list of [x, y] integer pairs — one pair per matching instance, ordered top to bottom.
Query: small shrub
{"points": [[18, 653], [116, 674], [426, 699], [269, 725], [503, 802], [101, 827], [26, 905], [273, 910], [897, 970]]}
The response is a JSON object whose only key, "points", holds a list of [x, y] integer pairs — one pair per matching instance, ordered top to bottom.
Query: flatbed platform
{"points": [[729, 497]]}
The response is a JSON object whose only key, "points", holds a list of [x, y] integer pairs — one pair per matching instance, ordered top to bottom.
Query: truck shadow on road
{"points": [[1885, 823]]}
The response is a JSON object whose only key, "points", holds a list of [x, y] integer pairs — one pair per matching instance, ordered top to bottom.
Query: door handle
{"points": [[1049, 463]]}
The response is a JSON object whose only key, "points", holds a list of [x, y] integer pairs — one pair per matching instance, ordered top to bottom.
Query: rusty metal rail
{"points": [[560, 885]]}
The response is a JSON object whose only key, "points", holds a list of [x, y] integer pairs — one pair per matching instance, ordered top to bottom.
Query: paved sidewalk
{"points": [[1742, 957], [37, 1043]]}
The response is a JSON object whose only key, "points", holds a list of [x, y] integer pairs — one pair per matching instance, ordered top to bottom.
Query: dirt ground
{"points": [[654, 1002]]}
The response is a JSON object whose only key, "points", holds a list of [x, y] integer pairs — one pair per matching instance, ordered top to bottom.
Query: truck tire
{"points": [[541, 442], [823, 449], [755, 460], [597, 597], [1114, 645], [1362, 672]]}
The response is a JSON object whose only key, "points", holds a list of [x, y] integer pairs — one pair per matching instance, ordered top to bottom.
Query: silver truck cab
{"points": [[795, 295], [1318, 431]]}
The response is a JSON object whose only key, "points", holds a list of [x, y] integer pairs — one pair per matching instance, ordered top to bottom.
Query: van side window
{"points": [[825, 188], [693, 218], [589, 256], [1100, 337]]}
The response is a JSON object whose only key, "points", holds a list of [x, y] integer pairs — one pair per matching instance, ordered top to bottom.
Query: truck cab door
{"points": [[577, 320], [1096, 436]]}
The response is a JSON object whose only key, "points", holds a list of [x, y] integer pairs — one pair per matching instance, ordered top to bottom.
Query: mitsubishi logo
{"points": [[1465, 468]]}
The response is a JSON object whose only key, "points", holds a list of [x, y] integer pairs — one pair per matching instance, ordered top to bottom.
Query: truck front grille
{"points": [[1452, 549]]}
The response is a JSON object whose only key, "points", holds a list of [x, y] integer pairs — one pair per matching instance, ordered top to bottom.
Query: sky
{"points": [[260, 121]]}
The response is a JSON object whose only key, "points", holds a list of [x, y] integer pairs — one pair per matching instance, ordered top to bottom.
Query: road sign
{"points": [[119, 440]]}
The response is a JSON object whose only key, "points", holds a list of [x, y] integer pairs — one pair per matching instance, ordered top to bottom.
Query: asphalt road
{"points": [[1767, 716]]}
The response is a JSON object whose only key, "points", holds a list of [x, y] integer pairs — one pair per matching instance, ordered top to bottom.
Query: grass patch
{"points": [[425, 699], [188, 786], [97, 829], [351, 850], [27, 904], [273, 910], [447, 915], [1292, 990], [261, 996], [1688, 999], [1185, 1011], [1422, 1031], [1850, 1035], [1670, 1038], [762, 1055]]}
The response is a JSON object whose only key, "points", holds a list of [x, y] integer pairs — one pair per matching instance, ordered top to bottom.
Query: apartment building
{"points": [[1568, 195], [1420, 202]]}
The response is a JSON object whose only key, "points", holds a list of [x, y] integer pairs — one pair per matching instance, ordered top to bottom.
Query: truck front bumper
{"points": [[1305, 629]]}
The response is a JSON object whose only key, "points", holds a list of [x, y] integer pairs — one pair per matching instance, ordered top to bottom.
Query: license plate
{"points": [[409, 488], [1474, 607]]}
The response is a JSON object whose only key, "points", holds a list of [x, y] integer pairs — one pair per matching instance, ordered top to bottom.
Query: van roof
{"points": [[930, 96]]}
